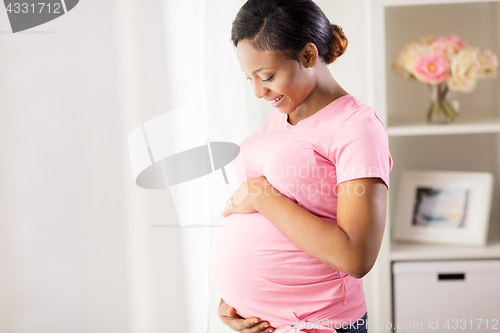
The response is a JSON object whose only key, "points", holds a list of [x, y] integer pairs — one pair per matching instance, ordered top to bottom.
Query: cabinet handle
{"points": [[457, 276]]}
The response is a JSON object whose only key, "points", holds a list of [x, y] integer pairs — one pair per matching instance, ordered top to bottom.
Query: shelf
{"points": [[467, 125], [410, 251]]}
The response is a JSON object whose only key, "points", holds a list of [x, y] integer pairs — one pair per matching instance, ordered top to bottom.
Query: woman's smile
{"points": [[275, 102]]}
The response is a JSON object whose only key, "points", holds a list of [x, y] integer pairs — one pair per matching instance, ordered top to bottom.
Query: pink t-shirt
{"points": [[256, 268]]}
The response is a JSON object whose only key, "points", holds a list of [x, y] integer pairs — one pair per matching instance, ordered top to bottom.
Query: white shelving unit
{"points": [[467, 125], [471, 145], [407, 251]]}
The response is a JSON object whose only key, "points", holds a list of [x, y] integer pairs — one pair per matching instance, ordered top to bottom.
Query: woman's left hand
{"points": [[245, 198]]}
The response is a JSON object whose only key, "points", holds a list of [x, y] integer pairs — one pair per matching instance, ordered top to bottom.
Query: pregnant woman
{"points": [[307, 221]]}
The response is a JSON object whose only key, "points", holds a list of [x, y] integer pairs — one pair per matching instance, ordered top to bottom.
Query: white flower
{"points": [[489, 64], [465, 70]]}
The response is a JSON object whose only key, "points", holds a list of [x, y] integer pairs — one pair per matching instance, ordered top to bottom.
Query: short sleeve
{"points": [[360, 147]]}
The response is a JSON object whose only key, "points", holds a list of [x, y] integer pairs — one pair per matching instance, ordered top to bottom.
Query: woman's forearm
{"points": [[321, 239], [352, 252]]}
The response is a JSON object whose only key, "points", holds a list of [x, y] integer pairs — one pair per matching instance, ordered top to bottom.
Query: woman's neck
{"points": [[325, 92]]}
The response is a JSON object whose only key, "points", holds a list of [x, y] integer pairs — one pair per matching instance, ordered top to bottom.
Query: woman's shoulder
{"points": [[348, 105], [347, 113], [355, 113]]}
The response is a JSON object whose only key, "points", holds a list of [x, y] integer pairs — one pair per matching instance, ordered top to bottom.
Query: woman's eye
{"points": [[269, 78]]}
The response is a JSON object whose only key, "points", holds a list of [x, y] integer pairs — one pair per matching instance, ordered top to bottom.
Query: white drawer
{"points": [[447, 296]]}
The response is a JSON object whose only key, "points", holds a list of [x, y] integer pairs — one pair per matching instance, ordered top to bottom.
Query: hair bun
{"points": [[338, 46]]}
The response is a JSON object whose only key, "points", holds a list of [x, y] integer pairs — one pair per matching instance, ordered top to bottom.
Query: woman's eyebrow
{"points": [[260, 69], [256, 71]]}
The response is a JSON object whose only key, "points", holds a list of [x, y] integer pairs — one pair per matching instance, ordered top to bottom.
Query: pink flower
{"points": [[452, 39], [446, 47], [442, 50], [404, 62], [431, 69]]}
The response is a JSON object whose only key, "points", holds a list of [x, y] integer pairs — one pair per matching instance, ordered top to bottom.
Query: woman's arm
{"points": [[352, 246]]}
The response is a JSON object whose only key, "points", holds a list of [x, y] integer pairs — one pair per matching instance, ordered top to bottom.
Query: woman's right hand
{"points": [[250, 325]]}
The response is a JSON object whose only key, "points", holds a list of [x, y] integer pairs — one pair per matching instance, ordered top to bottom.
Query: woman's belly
{"points": [[260, 272]]}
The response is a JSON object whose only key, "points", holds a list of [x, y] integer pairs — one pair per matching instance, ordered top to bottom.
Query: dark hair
{"points": [[288, 25]]}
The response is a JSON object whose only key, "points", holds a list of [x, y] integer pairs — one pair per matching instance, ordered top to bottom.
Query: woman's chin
{"points": [[284, 110]]}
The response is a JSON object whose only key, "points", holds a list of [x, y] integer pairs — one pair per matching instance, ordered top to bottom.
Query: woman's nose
{"points": [[259, 90]]}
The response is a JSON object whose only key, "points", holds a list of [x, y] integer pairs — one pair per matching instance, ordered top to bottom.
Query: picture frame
{"points": [[447, 207]]}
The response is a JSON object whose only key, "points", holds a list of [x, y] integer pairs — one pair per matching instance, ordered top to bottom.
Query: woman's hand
{"points": [[246, 198], [250, 325]]}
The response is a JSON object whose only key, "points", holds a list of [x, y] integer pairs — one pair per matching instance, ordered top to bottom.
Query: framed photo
{"points": [[447, 207]]}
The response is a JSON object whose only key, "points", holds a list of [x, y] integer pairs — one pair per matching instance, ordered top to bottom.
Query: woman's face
{"points": [[282, 82]]}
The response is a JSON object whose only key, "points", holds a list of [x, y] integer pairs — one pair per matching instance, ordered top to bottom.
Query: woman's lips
{"points": [[277, 101]]}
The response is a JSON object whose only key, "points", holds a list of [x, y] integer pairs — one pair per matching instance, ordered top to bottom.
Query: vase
{"points": [[440, 109]]}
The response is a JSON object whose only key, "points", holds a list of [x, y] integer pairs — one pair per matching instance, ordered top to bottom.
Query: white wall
{"points": [[350, 69], [63, 256]]}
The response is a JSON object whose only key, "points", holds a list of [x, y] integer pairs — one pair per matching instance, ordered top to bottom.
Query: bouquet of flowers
{"points": [[444, 63]]}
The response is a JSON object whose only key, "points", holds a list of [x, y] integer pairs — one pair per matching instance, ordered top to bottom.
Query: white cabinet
{"points": [[471, 145], [447, 295]]}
